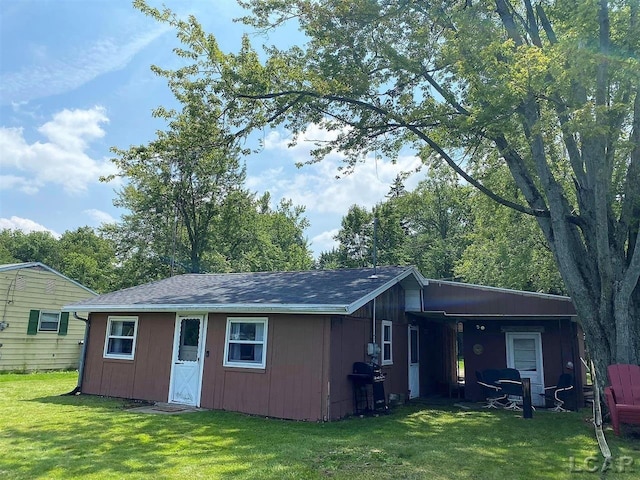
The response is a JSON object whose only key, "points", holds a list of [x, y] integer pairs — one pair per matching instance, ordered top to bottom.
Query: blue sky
{"points": [[75, 80]]}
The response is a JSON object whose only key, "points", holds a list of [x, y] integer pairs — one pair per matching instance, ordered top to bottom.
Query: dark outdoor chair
{"points": [[511, 385], [492, 392], [560, 392]]}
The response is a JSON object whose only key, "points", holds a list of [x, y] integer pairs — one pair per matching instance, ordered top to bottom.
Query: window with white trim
{"points": [[48, 321], [120, 340], [387, 342], [246, 343]]}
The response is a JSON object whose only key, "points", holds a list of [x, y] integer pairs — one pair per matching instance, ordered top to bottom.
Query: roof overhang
{"points": [[213, 308], [256, 308], [496, 316]]}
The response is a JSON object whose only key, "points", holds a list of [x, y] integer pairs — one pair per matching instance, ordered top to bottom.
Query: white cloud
{"points": [[52, 74], [61, 160], [316, 185], [99, 216], [25, 225], [324, 241]]}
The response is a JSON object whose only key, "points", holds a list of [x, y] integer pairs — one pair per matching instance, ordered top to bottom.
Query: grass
{"points": [[46, 435]]}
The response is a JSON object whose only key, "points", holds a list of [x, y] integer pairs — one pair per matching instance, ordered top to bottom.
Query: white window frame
{"points": [[48, 312], [227, 341], [383, 342], [120, 356]]}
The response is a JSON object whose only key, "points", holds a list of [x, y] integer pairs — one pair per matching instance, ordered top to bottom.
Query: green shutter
{"points": [[34, 316], [64, 323]]}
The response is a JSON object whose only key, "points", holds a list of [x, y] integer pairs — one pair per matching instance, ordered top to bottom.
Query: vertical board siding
{"points": [[36, 288], [349, 338], [560, 344], [308, 361], [146, 377], [292, 385]]}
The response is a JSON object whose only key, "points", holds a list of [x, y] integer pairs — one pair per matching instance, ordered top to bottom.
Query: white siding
{"points": [[36, 288]]}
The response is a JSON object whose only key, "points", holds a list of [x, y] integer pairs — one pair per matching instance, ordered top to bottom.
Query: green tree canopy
{"points": [[552, 88], [81, 254]]}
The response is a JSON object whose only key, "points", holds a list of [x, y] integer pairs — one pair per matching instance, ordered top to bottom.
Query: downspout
{"points": [[83, 354]]}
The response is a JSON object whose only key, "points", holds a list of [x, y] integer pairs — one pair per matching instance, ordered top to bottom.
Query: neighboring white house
{"points": [[34, 333]]}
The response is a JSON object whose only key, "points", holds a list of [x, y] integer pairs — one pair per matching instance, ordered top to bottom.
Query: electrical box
{"points": [[373, 349]]}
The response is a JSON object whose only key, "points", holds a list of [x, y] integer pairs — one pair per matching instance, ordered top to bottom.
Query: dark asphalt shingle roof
{"points": [[333, 290]]}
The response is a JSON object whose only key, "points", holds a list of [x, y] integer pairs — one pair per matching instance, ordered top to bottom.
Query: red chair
{"points": [[623, 396]]}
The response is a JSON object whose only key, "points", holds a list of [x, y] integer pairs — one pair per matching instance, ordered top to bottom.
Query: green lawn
{"points": [[45, 435]]}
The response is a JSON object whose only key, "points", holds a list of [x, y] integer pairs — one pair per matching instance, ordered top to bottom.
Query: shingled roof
{"points": [[315, 291]]}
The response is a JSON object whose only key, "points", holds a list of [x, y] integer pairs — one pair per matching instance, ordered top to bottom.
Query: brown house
{"points": [[497, 328], [283, 344]]}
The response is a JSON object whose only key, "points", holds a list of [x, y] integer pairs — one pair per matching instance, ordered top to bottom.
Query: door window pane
{"points": [[189, 339], [414, 346], [524, 354]]}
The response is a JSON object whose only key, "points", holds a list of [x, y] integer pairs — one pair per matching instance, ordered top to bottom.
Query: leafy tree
{"points": [[552, 87], [177, 186], [437, 218], [426, 228], [251, 236], [355, 238], [22, 247], [506, 249], [81, 255], [88, 259]]}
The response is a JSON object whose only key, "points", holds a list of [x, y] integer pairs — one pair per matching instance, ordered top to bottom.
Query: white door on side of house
{"points": [[524, 353], [414, 362], [186, 368]]}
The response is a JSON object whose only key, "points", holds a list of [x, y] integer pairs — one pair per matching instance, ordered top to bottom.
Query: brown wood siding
{"points": [[463, 299], [349, 338], [560, 344], [146, 377], [294, 383]]}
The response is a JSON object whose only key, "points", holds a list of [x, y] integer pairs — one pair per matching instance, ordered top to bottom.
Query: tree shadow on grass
{"points": [[91, 436], [97, 437]]}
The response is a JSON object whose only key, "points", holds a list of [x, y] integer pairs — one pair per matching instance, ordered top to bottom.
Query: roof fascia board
{"points": [[222, 308], [498, 315]]}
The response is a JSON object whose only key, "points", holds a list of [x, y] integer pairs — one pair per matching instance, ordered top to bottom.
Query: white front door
{"points": [[524, 353], [414, 362], [186, 369]]}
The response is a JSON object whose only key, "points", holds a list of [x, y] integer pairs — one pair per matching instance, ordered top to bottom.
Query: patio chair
{"points": [[511, 385], [492, 392], [559, 393], [623, 395]]}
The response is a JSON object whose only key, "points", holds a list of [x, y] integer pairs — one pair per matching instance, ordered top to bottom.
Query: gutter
{"points": [[321, 309], [78, 389]]}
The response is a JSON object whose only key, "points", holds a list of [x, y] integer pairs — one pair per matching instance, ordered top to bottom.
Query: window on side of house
{"points": [[49, 321], [120, 340], [246, 343], [387, 343]]}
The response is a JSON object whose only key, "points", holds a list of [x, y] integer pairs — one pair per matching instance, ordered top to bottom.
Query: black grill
{"points": [[367, 372], [368, 399]]}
